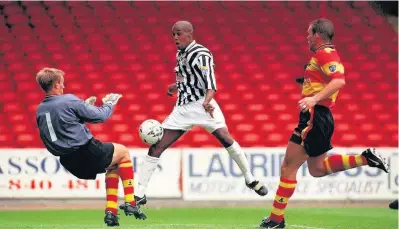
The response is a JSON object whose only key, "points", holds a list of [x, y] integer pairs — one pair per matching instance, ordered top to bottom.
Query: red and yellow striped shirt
{"points": [[324, 66]]}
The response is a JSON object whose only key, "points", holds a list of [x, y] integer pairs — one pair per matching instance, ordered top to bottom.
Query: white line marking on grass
{"points": [[301, 226]]}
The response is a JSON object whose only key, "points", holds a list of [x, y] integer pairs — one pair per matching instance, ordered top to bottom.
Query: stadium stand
{"points": [[126, 47]]}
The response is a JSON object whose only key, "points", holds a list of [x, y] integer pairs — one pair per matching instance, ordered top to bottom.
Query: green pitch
{"points": [[212, 218]]}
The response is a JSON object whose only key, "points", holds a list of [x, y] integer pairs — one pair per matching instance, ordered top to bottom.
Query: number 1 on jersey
{"points": [[50, 127]]}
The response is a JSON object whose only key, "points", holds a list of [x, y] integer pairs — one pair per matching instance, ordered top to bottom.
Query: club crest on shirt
{"points": [[332, 68]]}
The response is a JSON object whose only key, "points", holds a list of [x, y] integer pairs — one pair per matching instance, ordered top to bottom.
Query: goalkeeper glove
{"points": [[111, 98]]}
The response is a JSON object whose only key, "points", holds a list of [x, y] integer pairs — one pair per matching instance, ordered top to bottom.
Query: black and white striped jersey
{"points": [[194, 73]]}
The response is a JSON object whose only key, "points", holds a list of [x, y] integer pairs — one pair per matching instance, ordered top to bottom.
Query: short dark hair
{"points": [[324, 28]]}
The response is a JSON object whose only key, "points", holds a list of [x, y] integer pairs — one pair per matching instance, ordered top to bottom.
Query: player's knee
{"points": [[123, 152], [126, 154], [316, 172]]}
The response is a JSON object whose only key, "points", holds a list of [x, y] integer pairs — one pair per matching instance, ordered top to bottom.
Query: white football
{"points": [[151, 131]]}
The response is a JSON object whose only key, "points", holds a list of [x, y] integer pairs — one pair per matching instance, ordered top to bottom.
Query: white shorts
{"points": [[187, 116]]}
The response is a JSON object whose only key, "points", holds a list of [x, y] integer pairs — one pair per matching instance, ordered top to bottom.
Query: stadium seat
{"points": [[127, 47]]}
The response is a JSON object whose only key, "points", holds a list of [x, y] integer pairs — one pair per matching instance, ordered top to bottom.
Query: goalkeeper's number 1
{"points": [[50, 127]]}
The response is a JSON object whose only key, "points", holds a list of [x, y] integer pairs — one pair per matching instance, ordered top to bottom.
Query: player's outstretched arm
{"points": [[92, 114]]}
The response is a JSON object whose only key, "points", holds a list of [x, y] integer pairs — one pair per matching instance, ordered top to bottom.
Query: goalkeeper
{"points": [[61, 120]]}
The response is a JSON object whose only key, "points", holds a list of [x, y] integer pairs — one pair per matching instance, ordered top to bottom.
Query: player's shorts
{"points": [[192, 114], [315, 128], [90, 160]]}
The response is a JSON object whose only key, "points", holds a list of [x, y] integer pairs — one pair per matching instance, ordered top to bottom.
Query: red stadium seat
{"points": [[127, 47], [8, 140]]}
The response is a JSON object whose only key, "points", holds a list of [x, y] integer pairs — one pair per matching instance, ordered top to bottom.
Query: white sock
{"points": [[238, 156], [147, 168]]}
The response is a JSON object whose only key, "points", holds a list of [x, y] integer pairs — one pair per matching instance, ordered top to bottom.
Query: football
{"points": [[151, 131]]}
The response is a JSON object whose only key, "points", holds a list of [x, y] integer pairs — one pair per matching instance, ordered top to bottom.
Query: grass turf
{"points": [[213, 218]]}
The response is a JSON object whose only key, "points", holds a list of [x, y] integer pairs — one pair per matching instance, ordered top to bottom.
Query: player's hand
{"points": [[172, 89], [112, 98], [91, 100], [306, 103], [208, 108]]}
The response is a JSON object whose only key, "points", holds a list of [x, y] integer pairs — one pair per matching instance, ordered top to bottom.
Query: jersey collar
{"points": [[189, 46]]}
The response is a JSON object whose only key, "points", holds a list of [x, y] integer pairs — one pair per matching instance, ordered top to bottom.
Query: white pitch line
{"points": [[301, 226]]}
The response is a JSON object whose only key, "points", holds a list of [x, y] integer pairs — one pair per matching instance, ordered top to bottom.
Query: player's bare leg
{"points": [[235, 151], [121, 153], [295, 156], [121, 159], [151, 161], [318, 166], [321, 166], [111, 208]]}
